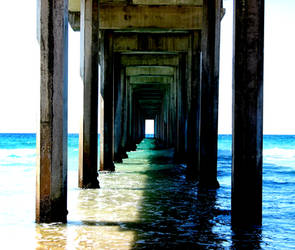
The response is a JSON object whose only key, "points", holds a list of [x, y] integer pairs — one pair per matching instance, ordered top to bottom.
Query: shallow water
{"points": [[146, 204]]}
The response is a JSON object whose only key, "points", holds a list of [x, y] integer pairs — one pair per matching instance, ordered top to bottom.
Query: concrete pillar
{"points": [[209, 93], [106, 104], [118, 104], [181, 109], [192, 109], [167, 110], [174, 111], [247, 113], [129, 116], [194, 117], [124, 122], [131, 122], [143, 127], [133, 128], [156, 128], [88, 129], [51, 189]]}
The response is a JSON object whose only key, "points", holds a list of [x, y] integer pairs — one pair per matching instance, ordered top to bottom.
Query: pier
{"points": [[158, 60]]}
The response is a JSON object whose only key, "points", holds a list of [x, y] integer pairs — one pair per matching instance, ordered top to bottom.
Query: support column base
{"points": [[131, 147], [124, 155], [120, 156], [179, 157], [118, 159], [108, 167], [192, 173], [92, 183], [212, 184], [53, 211]]}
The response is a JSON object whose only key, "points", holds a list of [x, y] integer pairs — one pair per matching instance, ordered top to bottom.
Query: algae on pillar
{"points": [[51, 190]]}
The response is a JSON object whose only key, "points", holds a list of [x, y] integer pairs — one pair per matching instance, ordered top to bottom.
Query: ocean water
{"points": [[147, 203]]}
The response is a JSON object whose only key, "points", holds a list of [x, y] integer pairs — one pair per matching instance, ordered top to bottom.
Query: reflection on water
{"points": [[146, 204], [247, 239]]}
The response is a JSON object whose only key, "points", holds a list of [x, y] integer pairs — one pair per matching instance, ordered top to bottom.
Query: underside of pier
{"points": [[158, 60]]}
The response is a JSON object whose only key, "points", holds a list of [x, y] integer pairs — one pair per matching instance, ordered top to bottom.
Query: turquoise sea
{"points": [[128, 211]]}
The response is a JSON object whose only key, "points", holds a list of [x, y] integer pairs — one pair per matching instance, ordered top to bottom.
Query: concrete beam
{"points": [[169, 2], [74, 5], [143, 16], [74, 20], [174, 42], [149, 60], [149, 70], [150, 79], [154, 88], [155, 97], [150, 102], [247, 113], [88, 130], [51, 189]]}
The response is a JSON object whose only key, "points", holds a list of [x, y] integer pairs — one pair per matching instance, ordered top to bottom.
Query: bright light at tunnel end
{"points": [[149, 128]]}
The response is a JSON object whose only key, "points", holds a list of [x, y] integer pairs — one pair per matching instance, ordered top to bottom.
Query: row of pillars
{"points": [[51, 195]]}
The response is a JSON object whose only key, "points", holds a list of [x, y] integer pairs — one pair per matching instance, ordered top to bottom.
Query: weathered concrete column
{"points": [[209, 94], [106, 104], [118, 105], [181, 109], [174, 111], [247, 113], [129, 116], [168, 117], [194, 118], [193, 122], [124, 123], [131, 124], [171, 126], [142, 127], [88, 128], [156, 128], [51, 190]]}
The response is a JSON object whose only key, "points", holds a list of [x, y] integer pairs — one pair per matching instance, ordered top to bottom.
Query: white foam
{"points": [[279, 152], [17, 156], [279, 156]]}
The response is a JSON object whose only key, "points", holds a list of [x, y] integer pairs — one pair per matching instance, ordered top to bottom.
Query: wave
{"points": [[280, 152], [24, 156], [279, 157]]}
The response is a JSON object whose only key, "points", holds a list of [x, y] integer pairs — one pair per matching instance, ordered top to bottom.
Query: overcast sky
{"points": [[19, 69]]}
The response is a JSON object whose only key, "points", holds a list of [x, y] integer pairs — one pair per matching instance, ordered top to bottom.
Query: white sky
{"points": [[19, 69], [149, 127]]}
